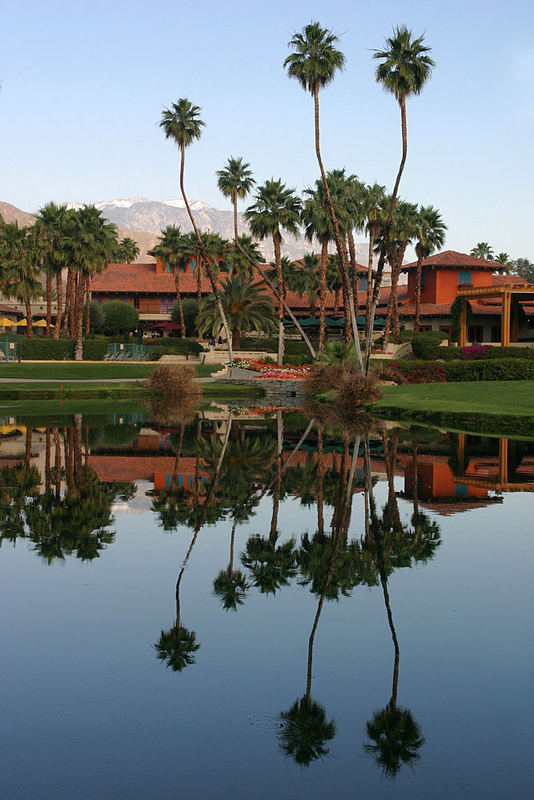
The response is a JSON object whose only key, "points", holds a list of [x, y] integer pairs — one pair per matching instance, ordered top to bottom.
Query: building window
{"points": [[464, 276], [423, 279], [362, 284], [124, 298], [136, 302], [162, 304], [447, 329], [475, 333], [496, 333]]}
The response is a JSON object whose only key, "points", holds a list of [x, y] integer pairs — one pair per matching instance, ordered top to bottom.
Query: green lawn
{"points": [[61, 371], [481, 397], [496, 408]]}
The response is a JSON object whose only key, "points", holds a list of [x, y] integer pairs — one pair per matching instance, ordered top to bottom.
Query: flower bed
{"points": [[267, 369], [421, 371]]}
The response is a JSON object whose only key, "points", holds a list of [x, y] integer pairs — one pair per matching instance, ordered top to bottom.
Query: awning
{"points": [[6, 323], [41, 323], [164, 326]]}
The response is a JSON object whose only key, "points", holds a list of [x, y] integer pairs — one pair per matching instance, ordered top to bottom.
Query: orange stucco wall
{"points": [[441, 285]]}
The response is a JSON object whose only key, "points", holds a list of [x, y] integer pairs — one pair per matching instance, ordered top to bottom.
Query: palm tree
{"points": [[314, 63], [404, 69], [183, 125], [235, 180], [373, 201], [276, 209], [317, 223], [53, 224], [403, 230], [430, 234], [93, 243], [170, 248], [128, 250], [483, 250], [505, 260], [20, 279], [306, 279], [246, 309], [230, 584]]}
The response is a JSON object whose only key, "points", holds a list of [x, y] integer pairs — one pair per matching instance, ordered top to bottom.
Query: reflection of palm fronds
{"points": [[176, 647], [306, 731], [396, 738]]}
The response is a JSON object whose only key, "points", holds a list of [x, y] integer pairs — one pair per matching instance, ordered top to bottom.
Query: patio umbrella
{"points": [[6, 323], [41, 323]]}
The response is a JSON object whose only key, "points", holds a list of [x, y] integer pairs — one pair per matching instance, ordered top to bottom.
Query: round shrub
{"points": [[190, 311], [97, 317], [119, 318]]}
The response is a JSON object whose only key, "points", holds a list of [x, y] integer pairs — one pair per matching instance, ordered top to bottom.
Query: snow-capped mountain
{"points": [[151, 216]]}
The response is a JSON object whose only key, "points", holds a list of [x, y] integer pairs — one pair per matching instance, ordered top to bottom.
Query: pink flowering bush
{"points": [[474, 351], [421, 371]]}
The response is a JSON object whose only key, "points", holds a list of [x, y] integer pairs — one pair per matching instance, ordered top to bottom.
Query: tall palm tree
{"points": [[313, 64], [404, 69], [182, 124], [235, 181], [373, 201], [276, 209], [318, 223], [53, 224], [403, 230], [430, 234], [93, 244], [170, 248], [483, 250], [246, 309]]}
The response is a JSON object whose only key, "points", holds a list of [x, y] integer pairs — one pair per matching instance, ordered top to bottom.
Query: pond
{"points": [[247, 602]]}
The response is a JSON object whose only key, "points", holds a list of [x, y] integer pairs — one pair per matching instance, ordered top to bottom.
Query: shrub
{"points": [[190, 311], [97, 318], [119, 318], [424, 344], [178, 346], [42, 349], [95, 349], [473, 352], [526, 353], [491, 369], [421, 371], [344, 384], [177, 390], [119, 435]]}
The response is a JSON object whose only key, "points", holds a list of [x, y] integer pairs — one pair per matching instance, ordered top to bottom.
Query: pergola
{"points": [[509, 316]]}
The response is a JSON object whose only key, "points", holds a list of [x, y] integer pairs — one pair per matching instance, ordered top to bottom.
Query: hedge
{"points": [[172, 346], [42, 349], [490, 369]]}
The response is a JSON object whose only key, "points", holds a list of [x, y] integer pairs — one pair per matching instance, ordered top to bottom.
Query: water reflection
{"points": [[59, 484]]}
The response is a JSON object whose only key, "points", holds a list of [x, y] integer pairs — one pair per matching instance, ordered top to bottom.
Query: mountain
{"points": [[143, 214], [142, 220]]}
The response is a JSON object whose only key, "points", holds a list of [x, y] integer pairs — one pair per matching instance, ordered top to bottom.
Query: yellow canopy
{"points": [[5, 322], [22, 323], [41, 323]]}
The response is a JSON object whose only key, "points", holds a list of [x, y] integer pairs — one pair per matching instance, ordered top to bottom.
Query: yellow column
{"points": [[505, 320], [463, 324], [461, 452], [503, 461]]}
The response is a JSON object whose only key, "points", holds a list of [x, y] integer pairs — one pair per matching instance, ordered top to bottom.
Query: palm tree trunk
{"points": [[234, 203], [387, 227], [339, 244], [204, 255], [353, 264], [395, 270], [418, 276], [279, 281], [369, 281], [322, 295], [75, 298], [59, 299], [179, 299], [68, 300], [48, 304], [78, 306], [87, 307], [346, 313], [29, 328], [28, 451], [47, 460], [278, 479], [320, 482]]}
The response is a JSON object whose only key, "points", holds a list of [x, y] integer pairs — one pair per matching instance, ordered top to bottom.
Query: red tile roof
{"points": [[451, 259], [143, 279]]}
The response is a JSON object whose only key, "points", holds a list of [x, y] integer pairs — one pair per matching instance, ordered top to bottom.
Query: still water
{"points": [[242, 603]]}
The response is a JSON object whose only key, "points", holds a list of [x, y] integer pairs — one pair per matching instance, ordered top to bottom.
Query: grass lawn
{"points": [[61, 371], [481, 397], [496, 408]]}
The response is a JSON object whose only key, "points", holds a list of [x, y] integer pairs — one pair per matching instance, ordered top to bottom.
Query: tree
{"points": [[314, 64], [404, 69], [183, 125], [235, 181], [373, 200], [276, 209], [318, 223], [53, 224], [402, 232], [430, 234], [92, 244], [170, 248], [127, 250], [483, 250], [505, 260], [524, 268], [20, 270], [306, 279], [246, 309], [190, 313], [119, 318]]}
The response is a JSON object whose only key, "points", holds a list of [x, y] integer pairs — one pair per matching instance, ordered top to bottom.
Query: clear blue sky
{"points": [[84, 83]]}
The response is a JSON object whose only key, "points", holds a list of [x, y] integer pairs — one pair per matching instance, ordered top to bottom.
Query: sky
{"points": [[84, 85]]}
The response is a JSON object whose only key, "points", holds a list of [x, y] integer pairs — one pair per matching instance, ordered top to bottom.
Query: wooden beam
{"points": [[505, 319], [463, 324]]}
